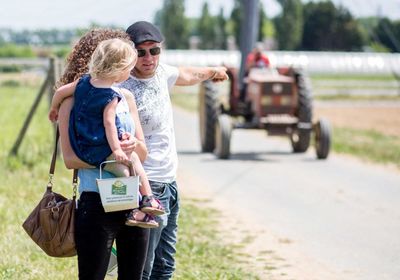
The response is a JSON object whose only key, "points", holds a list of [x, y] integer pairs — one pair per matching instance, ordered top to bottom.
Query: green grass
{"points": [[362, 77], [348, 97], [187, 101], [367, 144], [24, 180], [202, 253]]}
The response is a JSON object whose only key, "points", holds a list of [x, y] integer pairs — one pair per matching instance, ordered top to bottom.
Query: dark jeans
{"points": [[95, 232], [160, 262]]}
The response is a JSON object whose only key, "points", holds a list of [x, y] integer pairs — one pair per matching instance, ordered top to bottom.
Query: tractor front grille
{"points": [[278, 98]]}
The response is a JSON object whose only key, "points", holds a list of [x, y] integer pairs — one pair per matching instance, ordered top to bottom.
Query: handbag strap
{"points": [[53, 167]]}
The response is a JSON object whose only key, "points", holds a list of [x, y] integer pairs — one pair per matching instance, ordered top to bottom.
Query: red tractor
{"points": [[275, 99]]}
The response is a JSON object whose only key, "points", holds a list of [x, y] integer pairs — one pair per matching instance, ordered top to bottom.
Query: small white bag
{"points": [[119, 193]]}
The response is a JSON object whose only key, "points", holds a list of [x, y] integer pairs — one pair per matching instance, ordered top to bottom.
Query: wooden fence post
{"points": [[47, 82], [52, 82]]}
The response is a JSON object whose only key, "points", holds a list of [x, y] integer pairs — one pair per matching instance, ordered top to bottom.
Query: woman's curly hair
{"points": [[78, 59]]}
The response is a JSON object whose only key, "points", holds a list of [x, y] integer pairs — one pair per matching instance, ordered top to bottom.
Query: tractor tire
{"points": [[208, 112], [223, 132], [301, 137], [322, 138]]}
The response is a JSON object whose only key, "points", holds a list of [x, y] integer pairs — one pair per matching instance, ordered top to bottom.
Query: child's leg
{"points": [[118, 169], [144, 187], [148, 204]]}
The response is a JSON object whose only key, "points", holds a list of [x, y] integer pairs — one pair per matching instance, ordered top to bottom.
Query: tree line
{"points": [[311, 26]]}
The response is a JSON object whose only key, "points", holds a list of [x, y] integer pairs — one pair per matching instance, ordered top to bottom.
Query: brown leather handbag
{"points": [[51, 224]]}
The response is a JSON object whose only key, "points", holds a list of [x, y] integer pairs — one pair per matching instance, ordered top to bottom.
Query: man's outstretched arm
{"points": [[189, 76]]}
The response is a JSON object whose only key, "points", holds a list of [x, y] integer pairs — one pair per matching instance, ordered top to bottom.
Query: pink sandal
{"points": [[147, 206], [147, 221]]}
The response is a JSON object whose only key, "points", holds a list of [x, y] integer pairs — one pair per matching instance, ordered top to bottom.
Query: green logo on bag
{"points": [[118, 188]]}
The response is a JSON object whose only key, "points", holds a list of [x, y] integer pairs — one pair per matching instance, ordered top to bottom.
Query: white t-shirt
{"points": [[155, 113]]}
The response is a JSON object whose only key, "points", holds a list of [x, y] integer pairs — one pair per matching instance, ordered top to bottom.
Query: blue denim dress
{"points": [[86, 128], [87, 177]]}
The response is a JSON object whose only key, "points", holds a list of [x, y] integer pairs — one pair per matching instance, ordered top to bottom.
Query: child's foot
{"points": [[151, 205], [137, 218]]}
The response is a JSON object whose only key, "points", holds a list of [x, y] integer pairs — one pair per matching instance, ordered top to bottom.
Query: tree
{"points": [[158, 18], [318, 18], [236, 20], [263, 20], [174, 24], [289, 24], [329, 28], [206, 29], [220, 32], [346, 32], [388, 33]]}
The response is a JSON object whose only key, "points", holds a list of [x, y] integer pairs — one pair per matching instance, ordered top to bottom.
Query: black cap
{"points": [[143, 31]]}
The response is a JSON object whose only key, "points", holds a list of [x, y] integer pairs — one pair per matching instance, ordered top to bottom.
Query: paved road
{"points": [[342, 214]]}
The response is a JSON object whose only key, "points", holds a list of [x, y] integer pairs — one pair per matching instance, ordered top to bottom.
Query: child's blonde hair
{"points": [[111, 57]]}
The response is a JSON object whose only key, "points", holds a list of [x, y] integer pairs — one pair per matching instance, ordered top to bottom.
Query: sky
{"points": [[46, 14]]}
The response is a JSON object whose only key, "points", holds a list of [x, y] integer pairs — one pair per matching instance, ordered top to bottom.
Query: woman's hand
{"points": [[130, 144]]}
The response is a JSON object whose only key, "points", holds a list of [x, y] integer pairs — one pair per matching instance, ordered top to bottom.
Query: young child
{"points": [[97, 124]]}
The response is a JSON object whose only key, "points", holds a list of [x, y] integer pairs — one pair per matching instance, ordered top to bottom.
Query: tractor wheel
{"points": [[208, 111], [223, 131], [300, 138], [322, 138]]}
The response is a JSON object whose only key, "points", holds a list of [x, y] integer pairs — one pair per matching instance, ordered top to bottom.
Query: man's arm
{"points": [[189, 76]]}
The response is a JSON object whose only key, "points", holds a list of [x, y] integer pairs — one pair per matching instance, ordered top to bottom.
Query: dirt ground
{"points": [[383, 117], [259, 251], [275, 257]]}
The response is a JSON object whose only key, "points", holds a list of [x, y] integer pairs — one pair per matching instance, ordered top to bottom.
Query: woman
{"points": [[95, 230]]}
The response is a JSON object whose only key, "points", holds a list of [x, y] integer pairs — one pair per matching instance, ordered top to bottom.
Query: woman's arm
{"points": [[139, 146], [71, 161]]}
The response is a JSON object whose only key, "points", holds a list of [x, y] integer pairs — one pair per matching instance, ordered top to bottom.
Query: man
{"points": [[256, 59], [150, 82]]}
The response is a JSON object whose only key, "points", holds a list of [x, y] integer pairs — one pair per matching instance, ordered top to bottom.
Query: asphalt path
{"points": [[341, 214]]}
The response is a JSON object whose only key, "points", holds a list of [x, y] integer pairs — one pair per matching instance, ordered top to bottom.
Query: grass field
{"points": [[367, 144], [202, 253]]}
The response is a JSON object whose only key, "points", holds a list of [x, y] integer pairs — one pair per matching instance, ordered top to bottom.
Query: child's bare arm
{"points": [[62, 93], [111, 130]]}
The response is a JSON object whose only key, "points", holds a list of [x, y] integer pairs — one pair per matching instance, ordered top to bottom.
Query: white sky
{"points": [[33, 14]]}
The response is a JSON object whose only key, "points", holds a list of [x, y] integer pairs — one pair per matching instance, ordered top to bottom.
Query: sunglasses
{"points": [[152, 51]]}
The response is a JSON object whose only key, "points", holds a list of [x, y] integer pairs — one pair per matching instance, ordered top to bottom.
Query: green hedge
{"points": [[12, 50]]}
